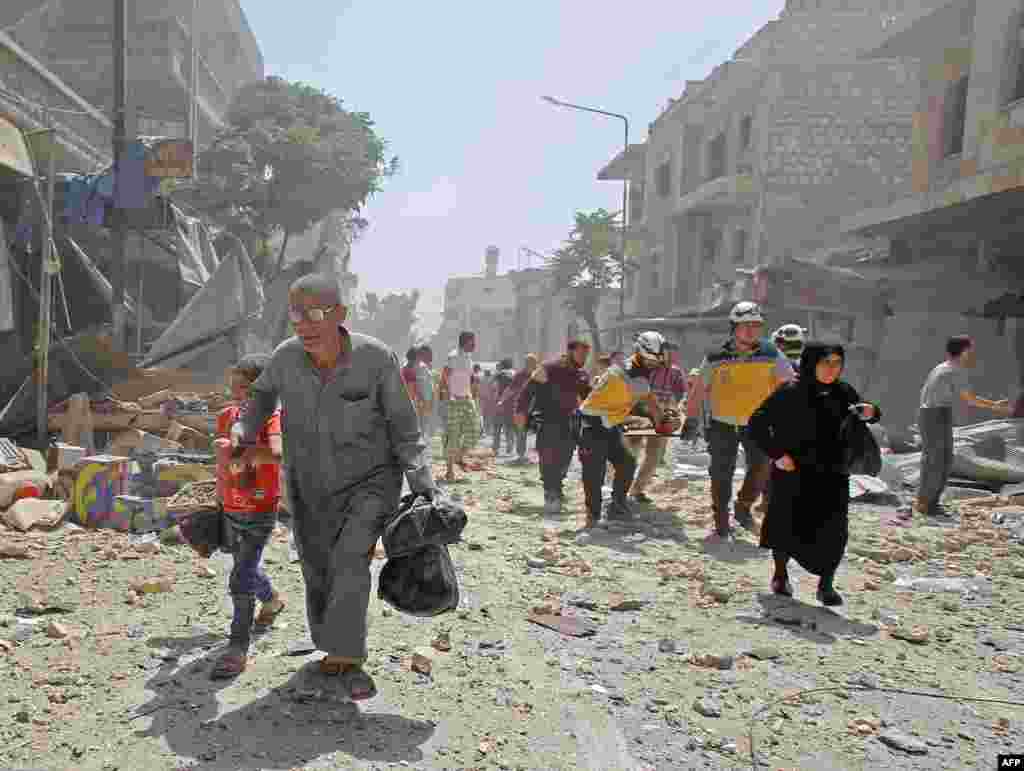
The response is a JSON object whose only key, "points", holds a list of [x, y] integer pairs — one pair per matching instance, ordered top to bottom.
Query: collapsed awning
{"points": [[14, 154], [231, 299]]}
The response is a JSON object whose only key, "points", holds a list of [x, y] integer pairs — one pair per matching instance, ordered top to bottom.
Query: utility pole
{"points": [[192, 113], [46, 271], [117, 273]]}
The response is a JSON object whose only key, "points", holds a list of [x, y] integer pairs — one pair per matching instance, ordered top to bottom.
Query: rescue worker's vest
{"points": [[739, 383]]}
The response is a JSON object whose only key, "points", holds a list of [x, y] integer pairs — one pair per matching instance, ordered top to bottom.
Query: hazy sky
{"points": [[455, 88]]}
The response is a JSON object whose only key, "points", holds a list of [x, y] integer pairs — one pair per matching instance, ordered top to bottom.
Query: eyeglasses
{"points": [[316, 315]]}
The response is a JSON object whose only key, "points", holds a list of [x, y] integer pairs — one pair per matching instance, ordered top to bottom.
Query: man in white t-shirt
{"points": [[945, 386], [460, 390]]}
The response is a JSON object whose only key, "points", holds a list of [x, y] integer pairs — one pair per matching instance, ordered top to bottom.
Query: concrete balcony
{"points": [[85, 133], [730, 193]]}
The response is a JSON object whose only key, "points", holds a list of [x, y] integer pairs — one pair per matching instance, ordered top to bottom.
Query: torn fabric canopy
{"points": [[14, 154], [232, 296]]}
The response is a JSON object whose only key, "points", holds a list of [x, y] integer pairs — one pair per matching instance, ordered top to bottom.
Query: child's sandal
{"points": [[269, 613]]}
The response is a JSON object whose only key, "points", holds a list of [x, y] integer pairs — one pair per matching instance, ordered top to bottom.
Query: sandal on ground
{"points": [[642, 497], [782, 586], [269, 612], [231, 664], [331, 667], [359, 684]]}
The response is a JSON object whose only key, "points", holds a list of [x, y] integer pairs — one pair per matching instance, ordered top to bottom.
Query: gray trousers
{"points": [[936, 425], [334, 549]]}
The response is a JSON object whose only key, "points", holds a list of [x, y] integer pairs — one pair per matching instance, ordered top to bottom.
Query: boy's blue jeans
{"points": [[249, 535]]}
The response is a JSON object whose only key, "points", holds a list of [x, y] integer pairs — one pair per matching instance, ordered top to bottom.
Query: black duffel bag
{"points": [[862, 453], [421, 521], [205, 531], [422, 583]]}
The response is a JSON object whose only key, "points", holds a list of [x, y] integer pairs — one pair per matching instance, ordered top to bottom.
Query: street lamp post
{"points": [[625, 195]]}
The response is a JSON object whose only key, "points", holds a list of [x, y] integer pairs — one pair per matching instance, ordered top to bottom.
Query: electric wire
{"points": [[58, 340], [863, 689]]}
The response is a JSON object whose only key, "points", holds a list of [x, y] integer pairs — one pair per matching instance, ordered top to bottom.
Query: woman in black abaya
{"points": [[799, 427]]}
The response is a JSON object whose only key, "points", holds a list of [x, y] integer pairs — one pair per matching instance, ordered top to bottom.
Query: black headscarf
{"points": [[814, 351]]}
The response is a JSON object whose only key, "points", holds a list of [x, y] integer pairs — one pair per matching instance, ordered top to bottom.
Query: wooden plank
{"points": [[153, 421], [651, 432]]}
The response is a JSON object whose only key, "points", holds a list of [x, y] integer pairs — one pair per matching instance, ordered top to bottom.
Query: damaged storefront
{"points": [[192, 295]]}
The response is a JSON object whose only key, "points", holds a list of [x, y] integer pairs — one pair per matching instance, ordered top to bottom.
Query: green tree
{"points": [[289, 155], [587, 268], [391, 319]]}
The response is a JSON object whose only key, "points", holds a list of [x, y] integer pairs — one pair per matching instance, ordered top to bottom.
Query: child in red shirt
{"points": [[249, 495]]}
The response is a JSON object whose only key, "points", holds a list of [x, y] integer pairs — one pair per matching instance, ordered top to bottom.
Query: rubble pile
{"points": [[129, 466]]}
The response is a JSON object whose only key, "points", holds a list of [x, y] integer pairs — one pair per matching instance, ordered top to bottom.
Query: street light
{"points": [[625, 193]]}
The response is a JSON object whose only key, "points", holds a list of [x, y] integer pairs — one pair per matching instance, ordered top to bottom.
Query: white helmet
{"points": [[745, 311], [790, 335], [649, 343]]}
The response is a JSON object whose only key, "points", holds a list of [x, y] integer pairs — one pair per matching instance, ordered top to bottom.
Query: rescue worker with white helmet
{"points": [[789, 339], [736, 377], [668, 383], [618, 390]]}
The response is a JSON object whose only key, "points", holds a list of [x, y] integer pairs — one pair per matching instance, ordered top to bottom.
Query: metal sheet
{"points": [[14, 153]]}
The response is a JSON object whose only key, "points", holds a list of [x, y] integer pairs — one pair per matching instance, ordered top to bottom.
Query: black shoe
{"points": [[618, 511], [744, 520], [782, 586], [829, 596]]}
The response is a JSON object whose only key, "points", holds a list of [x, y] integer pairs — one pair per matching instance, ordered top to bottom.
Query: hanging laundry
{"points": [[134, 188]]}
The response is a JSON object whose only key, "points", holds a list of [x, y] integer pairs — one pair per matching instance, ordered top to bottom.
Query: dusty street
{"points": [[683, 646]]}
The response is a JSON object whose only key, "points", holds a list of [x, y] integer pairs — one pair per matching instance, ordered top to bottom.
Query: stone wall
{"points": [[847, 124], [915, 342]]}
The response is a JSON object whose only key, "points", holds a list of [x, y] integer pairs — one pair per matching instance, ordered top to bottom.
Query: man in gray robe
{"points": [[350, 431]]}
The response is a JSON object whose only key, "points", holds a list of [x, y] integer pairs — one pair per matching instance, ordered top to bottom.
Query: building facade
{"points": [[73, 39], [757, 162], [953, 233], [515, 313]]}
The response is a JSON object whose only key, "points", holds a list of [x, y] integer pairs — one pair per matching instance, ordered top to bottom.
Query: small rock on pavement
{"points": [[536, 562], [152, 585], [718, 593], [577, 600], [620, 603], [56, 630], [442, 642], [997, 642], [667, 646], [764, 653], [712, 660], [422, 661], [865, 679], [707, 706], [900, 741]]}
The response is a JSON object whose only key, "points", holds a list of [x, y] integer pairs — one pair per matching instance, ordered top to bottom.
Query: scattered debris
{"points": [[618, 602], [570, 626], [442, 642], [422, 661], [707, 706], [901, 741]]}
